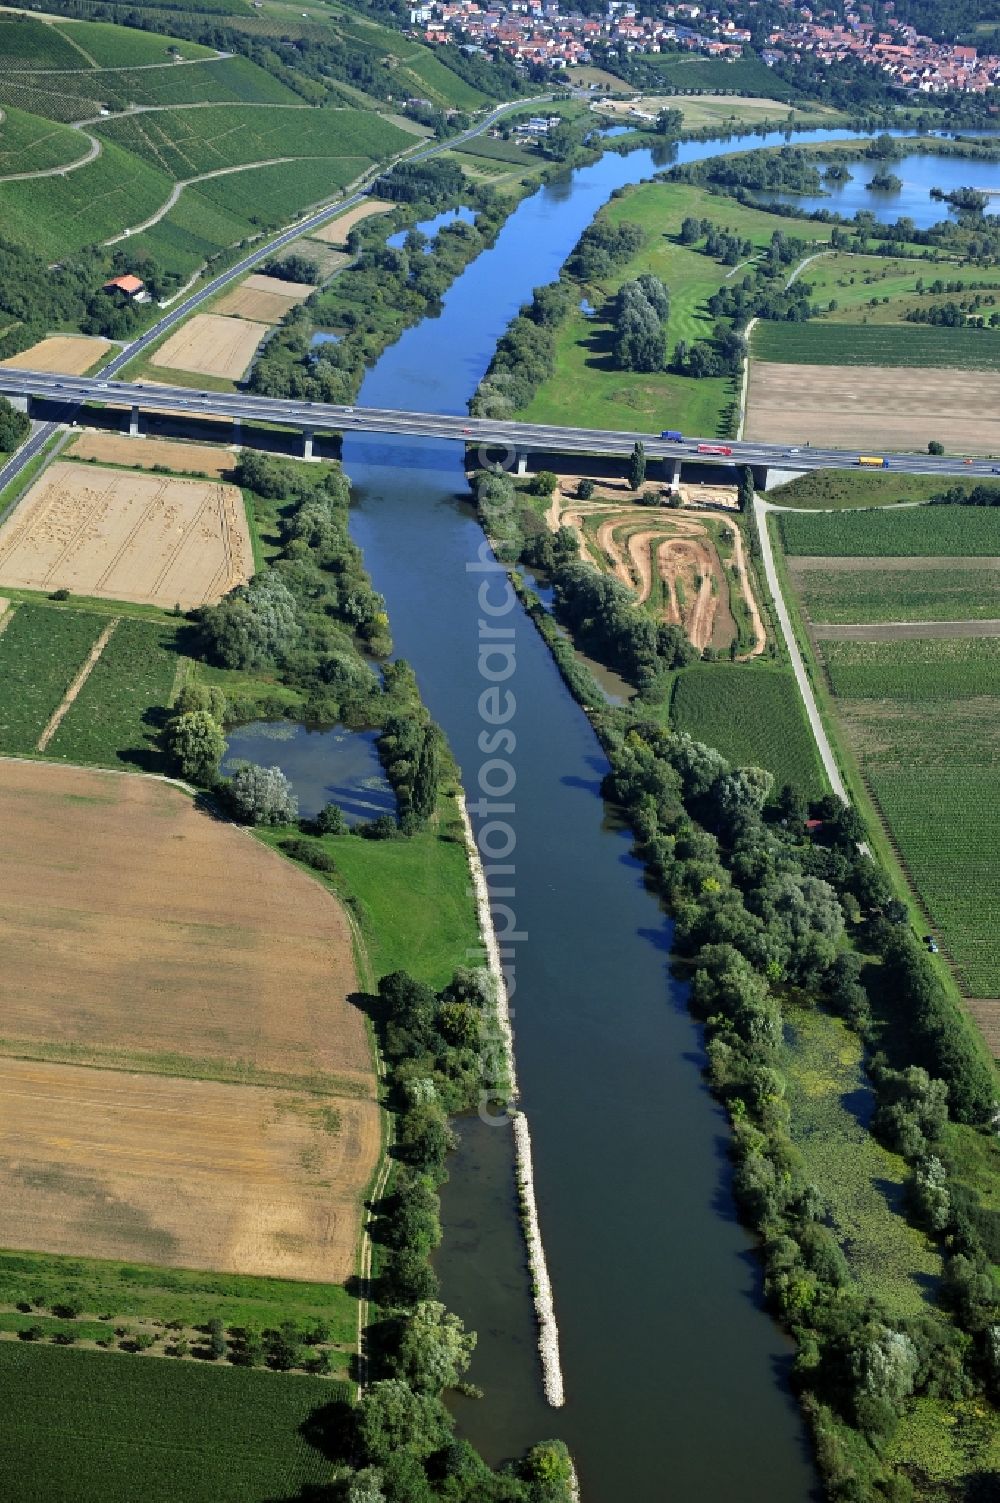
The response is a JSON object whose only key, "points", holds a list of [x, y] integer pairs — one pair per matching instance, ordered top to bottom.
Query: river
{"points": [[676, 1378]]}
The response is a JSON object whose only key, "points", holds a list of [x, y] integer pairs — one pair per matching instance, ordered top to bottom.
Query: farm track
{"points": [[93, 152], [178, 189], [901, 631], [80, 678]]}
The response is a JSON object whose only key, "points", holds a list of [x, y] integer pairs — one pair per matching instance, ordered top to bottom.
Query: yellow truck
{"points": [[873, 461]]}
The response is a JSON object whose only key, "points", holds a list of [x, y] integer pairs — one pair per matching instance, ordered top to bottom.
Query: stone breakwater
{"points": [[548, 1331]]}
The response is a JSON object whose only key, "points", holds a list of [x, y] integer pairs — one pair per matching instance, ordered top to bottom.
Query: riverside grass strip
{"points": [[819, 342], [143, 1291], [243, 1429]]}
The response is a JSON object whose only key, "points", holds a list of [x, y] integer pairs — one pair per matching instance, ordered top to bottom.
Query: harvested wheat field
{"points": [[337, 231], [264, 298], [210, 344], [63, 354], [871, 408], [147, 453], [149, 538], [671, 559], [198, 950], [190, 1173]]}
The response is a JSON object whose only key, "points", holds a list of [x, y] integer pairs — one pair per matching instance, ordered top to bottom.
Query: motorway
{"points": [[263, 252], [511, 438]]}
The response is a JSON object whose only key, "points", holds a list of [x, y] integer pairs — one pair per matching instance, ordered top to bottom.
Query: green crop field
{"points": [[28, 43], [75, 46], [125, 47], [417, 69], [747, 75], [80, 96], [185, 143], [30, 144], [498, 151], [53, 215], [820, 342], [586, 390], [832, 489], [918, 532], [966, 592], [41, 650], [920, 669], [117, 715], [754, 716], [861, 1182], [140, 1291], [241, 1429]]}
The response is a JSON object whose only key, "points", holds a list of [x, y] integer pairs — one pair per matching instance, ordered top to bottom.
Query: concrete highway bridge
{"points": [[506, 443]]}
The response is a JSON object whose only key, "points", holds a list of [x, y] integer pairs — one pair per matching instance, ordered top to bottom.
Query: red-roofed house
{"points": [[133, 287]]}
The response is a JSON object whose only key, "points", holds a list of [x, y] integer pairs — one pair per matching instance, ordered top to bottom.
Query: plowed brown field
{"points": [[337, 231], [265, 298], [210, 344], [63, 354], [872, 408], [147, 453], [149, 538], [140, 934], [195, 941], [182, 1172]]}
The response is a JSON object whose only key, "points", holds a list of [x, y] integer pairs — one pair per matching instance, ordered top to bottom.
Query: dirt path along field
{"points": [[78, 682]]}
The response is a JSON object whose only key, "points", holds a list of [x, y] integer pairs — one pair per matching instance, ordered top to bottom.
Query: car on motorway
{"points": [[348, 409], [466, 430], [966, 461]]}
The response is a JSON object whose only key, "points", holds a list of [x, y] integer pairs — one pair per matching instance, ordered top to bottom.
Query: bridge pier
{"points": [[133, 422], [237, 433], [308, 435], [522, 462], [672, 475], [772, 476]]}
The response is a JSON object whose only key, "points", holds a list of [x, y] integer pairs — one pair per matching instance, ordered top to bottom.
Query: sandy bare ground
{"points": [[337, 230], [266, 299], [209, 344], [63, 354], [872, 408], [146, 453], [149, 538], [837, 564], [697, 583], [903, 631], [196, 941], [190, 1173]]}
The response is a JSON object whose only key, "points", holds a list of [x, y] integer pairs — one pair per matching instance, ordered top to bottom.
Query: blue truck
{"points": [[672, 435]]}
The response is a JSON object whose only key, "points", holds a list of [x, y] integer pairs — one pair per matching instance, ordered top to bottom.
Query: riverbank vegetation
{"points": [[572, 366], [877, 1364]]}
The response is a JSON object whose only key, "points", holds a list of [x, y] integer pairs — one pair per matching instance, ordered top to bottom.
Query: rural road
{"points": [[760, 511]]}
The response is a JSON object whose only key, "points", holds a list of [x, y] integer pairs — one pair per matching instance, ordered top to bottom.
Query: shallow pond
{"points": [[323, 766]]}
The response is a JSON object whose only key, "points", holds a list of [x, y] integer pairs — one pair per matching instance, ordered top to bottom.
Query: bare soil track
{"points": [[678, 550]]}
